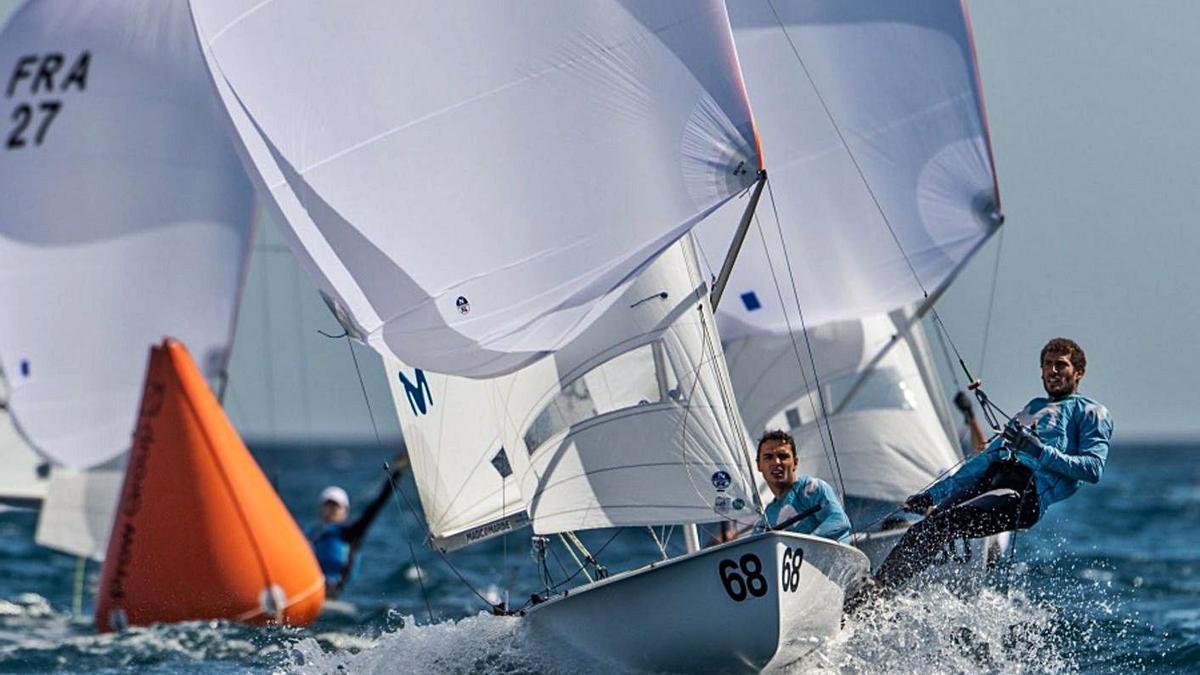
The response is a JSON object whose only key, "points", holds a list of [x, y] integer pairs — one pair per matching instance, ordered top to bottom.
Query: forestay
{"points": [[880, 164], [472, 185], [126, 216], [889, 438]]}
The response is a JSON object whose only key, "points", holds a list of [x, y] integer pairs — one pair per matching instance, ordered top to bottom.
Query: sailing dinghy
{"points": [[510, 214], [129, 217], [627, 426]]}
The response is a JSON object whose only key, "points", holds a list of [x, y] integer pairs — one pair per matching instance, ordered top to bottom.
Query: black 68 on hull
{"points": [[729, 608]]}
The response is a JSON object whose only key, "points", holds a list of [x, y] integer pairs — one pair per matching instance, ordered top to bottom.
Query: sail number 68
{"points": [[743, 578]]}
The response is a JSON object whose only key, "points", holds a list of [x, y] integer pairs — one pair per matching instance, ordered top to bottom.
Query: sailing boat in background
{"points": [[544, 176], [882, 188], [126, 218], [129, 218], [627, 426]]}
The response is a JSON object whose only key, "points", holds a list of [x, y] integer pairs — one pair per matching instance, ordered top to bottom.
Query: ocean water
{"points": [[1109, 582]]}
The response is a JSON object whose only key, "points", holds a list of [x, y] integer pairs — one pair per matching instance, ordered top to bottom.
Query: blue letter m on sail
{"points": [[417, 393]]}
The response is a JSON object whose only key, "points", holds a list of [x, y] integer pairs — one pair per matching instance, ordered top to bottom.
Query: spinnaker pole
{"points": [[736, 245]]}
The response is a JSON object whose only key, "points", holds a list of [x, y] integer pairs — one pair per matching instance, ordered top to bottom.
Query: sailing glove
{"points": [[1023, 439], [919, 503]]}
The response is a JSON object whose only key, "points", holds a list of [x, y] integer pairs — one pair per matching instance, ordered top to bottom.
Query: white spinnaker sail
{"points": [[880, 166], [471, 185], [126, 216], [626, 425], [889, 439]]}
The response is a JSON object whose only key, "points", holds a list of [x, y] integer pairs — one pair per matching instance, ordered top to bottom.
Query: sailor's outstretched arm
{"points": [[354, 532]]}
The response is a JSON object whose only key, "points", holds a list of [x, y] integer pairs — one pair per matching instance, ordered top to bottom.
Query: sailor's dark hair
{"points": [[1073, 351], [775, 435]]}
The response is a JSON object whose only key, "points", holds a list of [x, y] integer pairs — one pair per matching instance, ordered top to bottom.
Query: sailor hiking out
{"points": [[1054, 445], [796, 495]]}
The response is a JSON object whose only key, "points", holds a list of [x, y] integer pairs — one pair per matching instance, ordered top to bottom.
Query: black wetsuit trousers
{"points": [[1005, 500]]}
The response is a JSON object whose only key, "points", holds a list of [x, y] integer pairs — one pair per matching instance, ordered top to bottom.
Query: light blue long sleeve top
{"points": [[1075, 433], [807, 492]]}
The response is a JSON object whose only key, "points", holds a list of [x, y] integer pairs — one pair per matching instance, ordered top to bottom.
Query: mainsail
{"points": [[881, 171], [472, 186], [126, 216], [626, 425]]}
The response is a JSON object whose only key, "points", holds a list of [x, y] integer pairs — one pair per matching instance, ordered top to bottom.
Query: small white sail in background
{"points": [[872, 117], [473, 185], [126, 216], [626, 425], [889, 438]]}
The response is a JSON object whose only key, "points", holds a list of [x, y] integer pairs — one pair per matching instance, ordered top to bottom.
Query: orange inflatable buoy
{"points": [[199, 531]]}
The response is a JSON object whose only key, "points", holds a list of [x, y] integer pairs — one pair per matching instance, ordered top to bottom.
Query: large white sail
{"points": [[880, 166], [472, 185], [126, 216], [632, 423]]}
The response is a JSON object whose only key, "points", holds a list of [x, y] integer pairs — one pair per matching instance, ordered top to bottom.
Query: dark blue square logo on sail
{"points": [[750, 300], [721, 480]]}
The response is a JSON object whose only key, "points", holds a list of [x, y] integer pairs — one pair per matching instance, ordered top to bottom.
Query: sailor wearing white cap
{"points": [[335, 542]]}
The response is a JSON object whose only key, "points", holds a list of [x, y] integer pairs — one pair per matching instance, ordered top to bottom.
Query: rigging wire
{"points": [[987, 324], [937, 330], [807, 342], [817, 416], [398, 492], [412, 554]]}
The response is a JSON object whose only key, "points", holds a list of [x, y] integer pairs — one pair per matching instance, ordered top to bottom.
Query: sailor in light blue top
{"points": [[1053, 446], [1067, 446], [798, 494]]}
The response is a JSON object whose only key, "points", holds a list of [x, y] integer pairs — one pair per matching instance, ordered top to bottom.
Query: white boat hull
{"points": [[730, 608]]}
